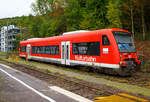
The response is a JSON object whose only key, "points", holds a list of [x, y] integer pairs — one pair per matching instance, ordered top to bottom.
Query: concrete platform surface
{"points": [[16, 86]]}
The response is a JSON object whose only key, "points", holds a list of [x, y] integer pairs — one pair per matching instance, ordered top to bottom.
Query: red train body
{"points": [[102, 49]]}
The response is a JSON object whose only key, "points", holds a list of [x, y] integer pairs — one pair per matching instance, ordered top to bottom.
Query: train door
{"points": [[106, 49], [28, 51], [65, 52]]}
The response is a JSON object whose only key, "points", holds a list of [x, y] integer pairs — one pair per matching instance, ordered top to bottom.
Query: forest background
{"points": [[53, 17]]}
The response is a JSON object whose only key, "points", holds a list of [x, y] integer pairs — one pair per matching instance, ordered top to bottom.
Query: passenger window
{"points": [[105, 40], [86, 48], [51, 50]]}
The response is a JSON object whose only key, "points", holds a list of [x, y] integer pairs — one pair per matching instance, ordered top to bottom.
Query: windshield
{"points": [[124, 41]]}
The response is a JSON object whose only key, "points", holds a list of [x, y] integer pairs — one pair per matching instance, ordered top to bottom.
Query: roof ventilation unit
{"points": [[75, 32], [33, 39]]}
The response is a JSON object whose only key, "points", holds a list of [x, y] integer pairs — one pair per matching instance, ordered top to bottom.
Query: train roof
{"points": [[72, 34]]}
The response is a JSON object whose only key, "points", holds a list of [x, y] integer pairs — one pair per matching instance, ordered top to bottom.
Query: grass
{"points": [[2, 53], [2, 57], [148, 61], [146, 66], [48, 71], [17, 72], [57, 73], [78, 78], [0, 81], [100, 92]]}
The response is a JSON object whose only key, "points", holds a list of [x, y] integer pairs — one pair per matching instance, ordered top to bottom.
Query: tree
{"points": [[142, 5], [46, 7], [114, 13], [72, 15], [94, 15], [128, 16], [34, 26]]}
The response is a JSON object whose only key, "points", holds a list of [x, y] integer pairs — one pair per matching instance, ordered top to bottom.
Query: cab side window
{"points": [[105, 40]]}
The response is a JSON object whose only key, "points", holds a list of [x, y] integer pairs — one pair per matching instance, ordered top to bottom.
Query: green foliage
{"points": [[98, 11], [114, 13], [72, 14], [53, 17], [86, 22], [18, 39], [48, 71]]}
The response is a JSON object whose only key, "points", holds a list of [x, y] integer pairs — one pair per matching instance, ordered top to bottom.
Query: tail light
{"points": [[123, 63]]}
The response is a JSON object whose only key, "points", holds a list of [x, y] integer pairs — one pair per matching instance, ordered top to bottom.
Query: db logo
{"points": [[87, 59]]}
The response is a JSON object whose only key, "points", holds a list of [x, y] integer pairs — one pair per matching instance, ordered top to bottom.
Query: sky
{"points": [[13, 8]]}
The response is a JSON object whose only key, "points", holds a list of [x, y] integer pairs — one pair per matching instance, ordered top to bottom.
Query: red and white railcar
{"points": [[106, 48]]}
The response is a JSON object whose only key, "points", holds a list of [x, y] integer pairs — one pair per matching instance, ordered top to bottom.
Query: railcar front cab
{"points": [[129, 62]]}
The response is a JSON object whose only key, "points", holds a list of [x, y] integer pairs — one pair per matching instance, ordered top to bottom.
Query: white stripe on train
{"points": [[74, 61]]}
